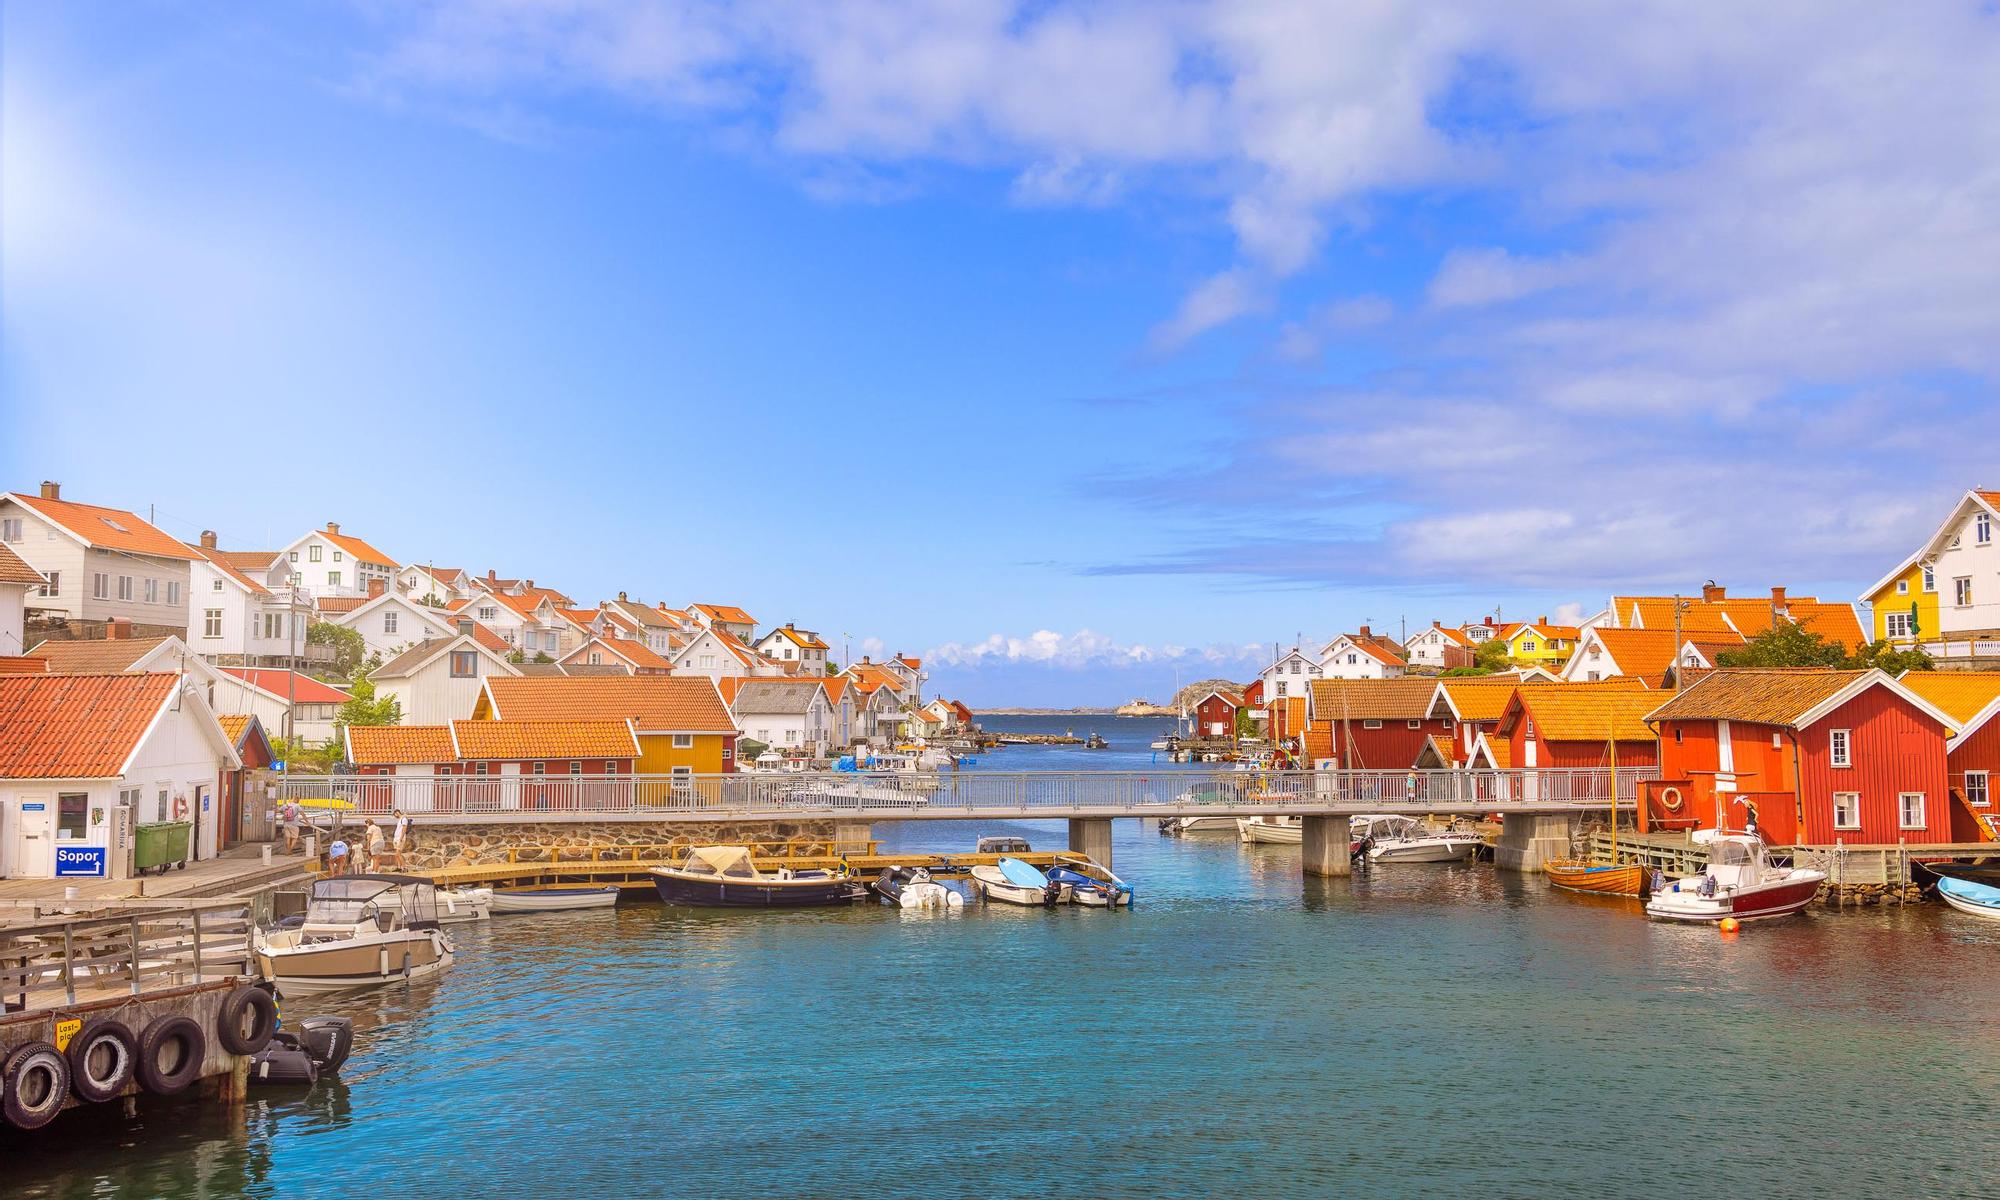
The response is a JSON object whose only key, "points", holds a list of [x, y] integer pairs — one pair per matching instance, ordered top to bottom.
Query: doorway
{"points": [[34, 842]]}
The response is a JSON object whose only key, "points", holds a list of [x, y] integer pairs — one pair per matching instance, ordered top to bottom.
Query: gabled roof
{"points": [[1974, 498], [110, 528], [356, 549], [248, 560], [220, 561], [15, 569], [339, 605], [726, 613], [641, 614], [1445, 632], [805, 639], [630, 651], [1646, 654], [97, 655], [413, 659], [870, 678], [283, 684], [836, 687], [786, 697], [1475, 697], [1789, 697], [1970, 698], [1407, 699], [655, 703], [1584, 712], [86, 726], [239, 728], [544, 739], [398, 745]]}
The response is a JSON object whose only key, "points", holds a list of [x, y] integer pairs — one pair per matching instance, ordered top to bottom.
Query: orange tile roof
{"points": [[110, 528], [357, 549], [247, 560], [220, 562], [15, 569], [340, 604], [1657, 612], [727, 613], [585, 617], [803, 638], [491, 640], [631, 650], [1644, 653], [95, 656], [910, 662], [23, 664], [869, 678], [300, 687], [836, 687], [1962, 694], [1764, 696], [1479, 697], [1372, 699], [655, 703], [1584, 712], [234, 725], [76, 726], [544, 739], [1318, 742], [394, 745], [1500, 750]]}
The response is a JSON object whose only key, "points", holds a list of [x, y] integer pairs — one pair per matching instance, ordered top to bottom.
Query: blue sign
{"points": [[37, 806], [79, 860]]}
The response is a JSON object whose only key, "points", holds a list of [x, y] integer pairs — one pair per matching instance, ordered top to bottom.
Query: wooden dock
{"points": [[628, 866]]}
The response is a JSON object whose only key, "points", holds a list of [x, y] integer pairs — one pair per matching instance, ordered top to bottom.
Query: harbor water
{"points": [[1414, 1030]]}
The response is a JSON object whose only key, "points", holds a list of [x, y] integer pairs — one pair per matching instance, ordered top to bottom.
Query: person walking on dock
{"points": [[290, 815], [399, 839], [376, 846]]}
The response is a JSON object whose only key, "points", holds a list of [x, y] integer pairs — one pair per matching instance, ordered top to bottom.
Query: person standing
{"points": [[290, 815], [399, 840], [376, 844], [336, 856]]}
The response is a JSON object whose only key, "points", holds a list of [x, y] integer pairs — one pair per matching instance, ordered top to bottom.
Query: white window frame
{"points": [[10, 529], [1982, 529], [313, 552], [1930, 579], [54, 585], [215, 585], [100, 586], [124, 587], [1902, 587], [1961, 591], [173, 593], [389, 620], [211, 623], [1895, 624], [1371, 724], [1414, 725], [683, 741], [1840, 748], [1985, 799], [1852, 804], [1903, 811]]}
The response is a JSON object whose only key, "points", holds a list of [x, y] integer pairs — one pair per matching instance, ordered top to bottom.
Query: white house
{"points": [[328, 562], [101, 563], [17, 581], [446, 584], [1949, 587], [239, 616], [725, 618], [390, 621], [532, 624], [661, 633], [788, 643], [1438, 647], [121, 653], [630, 655], [719, 656], [1359, 656], [1289, 677], [439, 681], [271, 694], [784, 714], [146, 743]]}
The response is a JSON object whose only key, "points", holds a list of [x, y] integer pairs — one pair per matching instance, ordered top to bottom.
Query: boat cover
{"points": [[733, 861], [1020, 874], [1972, 893]]}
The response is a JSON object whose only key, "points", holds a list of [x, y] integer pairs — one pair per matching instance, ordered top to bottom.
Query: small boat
{"points": [[1096, 742], [1206, 824], [1270, 829], [1388, 838], [1932, 873], [726, 877], [1602, 879], [1015, 882], [1738, 882], [1092, 886], [913, 887], [555, 899], [1978, 899], [454, 905], [349, 940]]}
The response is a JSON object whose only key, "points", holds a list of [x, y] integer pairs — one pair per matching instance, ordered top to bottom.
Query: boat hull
{"points": [[1180, 825], [1259, 833], [1424, 851], [1622, 879], [782, 893], [553, 899], [1760, 903], [1969, 905], [340, 966]]}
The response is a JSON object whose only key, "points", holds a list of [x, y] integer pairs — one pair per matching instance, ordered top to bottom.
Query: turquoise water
{"points": [[1415, 1031]]}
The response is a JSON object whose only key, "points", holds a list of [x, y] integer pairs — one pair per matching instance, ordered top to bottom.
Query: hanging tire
{"points": [[230, 1026], [170, 1054], [103, 1057], [33, 1085]]}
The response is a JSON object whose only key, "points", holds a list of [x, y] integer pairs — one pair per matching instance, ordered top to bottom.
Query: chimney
{"points": [[51, 490], [333, 527], [208, 539], [492, 576], [528, 583], [374, 588], [1711, 592], [621, 597], [1778, 598], [1542, 620], [1487, 621], [1437, 624], [465, 625], [118, 629], [1366, 633]]}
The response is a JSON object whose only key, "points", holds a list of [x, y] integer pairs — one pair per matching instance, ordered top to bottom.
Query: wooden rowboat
{"points": [[1620, 879]]}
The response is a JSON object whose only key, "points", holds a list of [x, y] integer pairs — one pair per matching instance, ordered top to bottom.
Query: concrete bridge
{"points": [[1538, 806]]}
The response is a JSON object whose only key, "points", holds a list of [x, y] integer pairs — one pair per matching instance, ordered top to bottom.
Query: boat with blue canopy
{"points": [[1012, 881], [1091, 885]]}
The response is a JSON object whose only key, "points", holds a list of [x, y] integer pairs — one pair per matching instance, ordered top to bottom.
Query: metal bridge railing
{"points": [[889, 794]]}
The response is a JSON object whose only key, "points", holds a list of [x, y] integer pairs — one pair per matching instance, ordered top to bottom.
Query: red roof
{"points": [[111, 528], [362, 551], [15, 569], [728, 614], [305, 689], [76, 726]]}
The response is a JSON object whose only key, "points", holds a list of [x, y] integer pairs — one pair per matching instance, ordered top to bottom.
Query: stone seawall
{"points": [[442, 845]]}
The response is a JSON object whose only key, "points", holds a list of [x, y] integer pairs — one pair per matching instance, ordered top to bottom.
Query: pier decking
{"points": [[627, 866]]}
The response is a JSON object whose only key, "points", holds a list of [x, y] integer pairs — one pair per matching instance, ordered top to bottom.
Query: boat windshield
{"points": [[1729, 853], [344, 901]]}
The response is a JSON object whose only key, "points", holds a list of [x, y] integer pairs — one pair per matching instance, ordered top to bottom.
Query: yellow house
{"points": [[1905, 604], [1540, 642], [683, 727]]}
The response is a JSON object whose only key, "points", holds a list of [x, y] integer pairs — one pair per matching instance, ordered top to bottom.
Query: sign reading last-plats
{"points": [[65, 1030]]}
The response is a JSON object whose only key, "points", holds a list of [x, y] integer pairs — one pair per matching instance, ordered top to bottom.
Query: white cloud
{"points": [[1084, 649]]}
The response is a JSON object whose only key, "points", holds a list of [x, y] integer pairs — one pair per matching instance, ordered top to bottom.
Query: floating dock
{"points": [[629, 867]]}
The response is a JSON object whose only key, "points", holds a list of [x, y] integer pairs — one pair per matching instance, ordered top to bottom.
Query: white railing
{"points": [[952, 793]]}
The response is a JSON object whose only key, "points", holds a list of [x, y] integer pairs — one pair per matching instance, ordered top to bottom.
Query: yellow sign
{"points": [[65, 1030]]}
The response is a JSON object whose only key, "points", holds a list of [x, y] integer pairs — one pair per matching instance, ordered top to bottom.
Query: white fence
{"points": [[952, 793]]}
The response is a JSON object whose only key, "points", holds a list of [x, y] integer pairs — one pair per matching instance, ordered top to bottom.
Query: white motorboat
{"points": [[1202, 824], [1270, 829], [1387, 838], [1016, 882], [1739, 882], [1091, 885], [913, 888], [1972, 898], [555, 899], [454, 905], [347, 939]]}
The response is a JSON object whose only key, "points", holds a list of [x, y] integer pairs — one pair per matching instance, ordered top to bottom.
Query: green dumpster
{"points": [[162, 845]]}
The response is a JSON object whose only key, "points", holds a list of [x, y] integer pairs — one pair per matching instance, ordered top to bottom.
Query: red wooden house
{"points": [[1471, 705], [1215, 713], [1372, 724], [1577, 725], [253, 746], [1818, 756], [1972, 756], [487, 766]]}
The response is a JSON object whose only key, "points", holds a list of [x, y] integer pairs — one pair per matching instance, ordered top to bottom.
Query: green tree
{"points": [[1785, 644], [348, 648], [1885, 656], [543, 657], [1487, 657], [364, 707]]}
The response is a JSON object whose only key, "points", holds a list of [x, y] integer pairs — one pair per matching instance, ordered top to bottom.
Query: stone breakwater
{"points": [[473, 845]]}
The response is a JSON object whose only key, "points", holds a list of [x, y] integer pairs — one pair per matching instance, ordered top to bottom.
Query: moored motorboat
{"points": [[1198, 824], [1273, 829], [1389, 838], [726, 877], [1015, 882], [1738, 882], [1091, 885], [913, 888], [555, 899], [1975, 899], [454, 905], [349, 940]]}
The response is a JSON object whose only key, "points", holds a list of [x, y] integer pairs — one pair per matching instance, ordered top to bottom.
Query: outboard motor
{"points": [[1051, 894], [329, 1040]]}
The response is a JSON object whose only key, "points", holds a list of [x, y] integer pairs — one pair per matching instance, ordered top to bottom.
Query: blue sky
{"points": [[1071, 346]]}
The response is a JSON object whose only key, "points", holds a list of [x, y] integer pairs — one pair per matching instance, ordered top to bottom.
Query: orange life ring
{"points": [[1670, 798], [180, 807]]}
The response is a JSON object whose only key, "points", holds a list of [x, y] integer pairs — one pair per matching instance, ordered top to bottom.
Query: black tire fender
{"points": [[255, 1003], [93, 1041], [157, 1067], [33, 1085]]}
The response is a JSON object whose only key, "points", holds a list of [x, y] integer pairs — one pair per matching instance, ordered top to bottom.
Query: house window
{"points": [[1982, 528], [10, 529], [312, 553], [292, 555], [336, 556], [333, 578], [1930, 579], [54, 586], [100, 586], [216, 586], [124, 587], [1902, 587], [151, 590], [1961, 591], [173, 592], [488, 612], [389, 621], [211, 622], [1896, 625], [1527, 645], [596, 659], [464, 664], [1281, 687], [1371, 724], [1415, 724], [1677, 736], [683, 741], [1777, 741], [1839, 748], [728, 751], [610, 767], [541, 768], [576, 768], [479, 769], [682, 776], [1975, 789], [160, 805], [1910, 809], [1847, 810], [72, 816]]}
